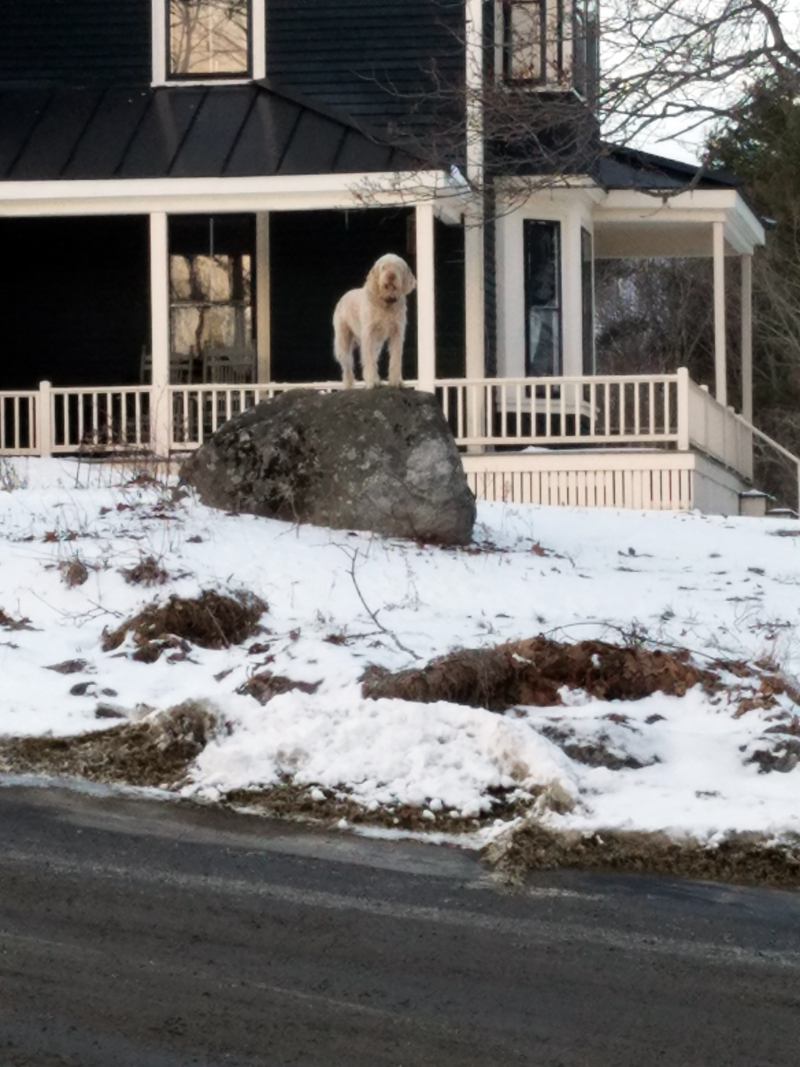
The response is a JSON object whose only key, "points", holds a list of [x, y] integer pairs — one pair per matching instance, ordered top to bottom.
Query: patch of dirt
{"points": [[148, 571], [211, 620], [9, 623], [69, 666], [532, 672], [266, 685], [155, 752], [594, 753], [327, 807], [747, 859]]}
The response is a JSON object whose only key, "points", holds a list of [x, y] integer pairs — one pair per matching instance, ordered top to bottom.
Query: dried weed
{"points": [[148, 571], [211, 620], [532, 672], [266, 685], [155, 752], [748, 859]]}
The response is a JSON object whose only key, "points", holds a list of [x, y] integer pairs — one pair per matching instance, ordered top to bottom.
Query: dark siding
{"points": [[75, 42], [367, 57], [341, 246], [75, 300]]}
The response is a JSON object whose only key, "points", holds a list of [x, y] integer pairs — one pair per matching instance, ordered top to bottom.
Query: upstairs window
{"points": [[209, 38], [550, 44]]}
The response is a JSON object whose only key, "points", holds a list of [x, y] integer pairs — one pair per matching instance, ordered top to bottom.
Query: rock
{"points": [[381, 459]]}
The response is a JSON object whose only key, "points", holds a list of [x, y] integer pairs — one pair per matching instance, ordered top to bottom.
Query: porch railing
{"points": [[647, 411]]}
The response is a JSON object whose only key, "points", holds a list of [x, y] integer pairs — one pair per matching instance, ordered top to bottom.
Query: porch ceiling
{"points": [[630, 224]]}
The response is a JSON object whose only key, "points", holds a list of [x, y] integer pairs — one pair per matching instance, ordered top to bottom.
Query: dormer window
{"points": [[209, 39], [550, 44]]}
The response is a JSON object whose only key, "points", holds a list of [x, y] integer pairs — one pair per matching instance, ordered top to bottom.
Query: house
{"points": [[187, 186]]}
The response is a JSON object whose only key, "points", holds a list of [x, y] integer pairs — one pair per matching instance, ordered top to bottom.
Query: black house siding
{"points": [[75, 42], [369, 58], [75, 299]]}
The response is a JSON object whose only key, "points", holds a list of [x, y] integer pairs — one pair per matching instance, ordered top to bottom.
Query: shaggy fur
{"points": [[371, 316]]}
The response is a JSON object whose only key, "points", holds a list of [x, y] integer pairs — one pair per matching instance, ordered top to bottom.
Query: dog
{"points": [[371, 316]]}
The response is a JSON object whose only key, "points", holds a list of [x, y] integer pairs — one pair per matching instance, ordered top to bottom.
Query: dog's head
{"points": [[390, 278]]}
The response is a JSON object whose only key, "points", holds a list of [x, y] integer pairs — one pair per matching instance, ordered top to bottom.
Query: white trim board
{"points": [[260, 193]]}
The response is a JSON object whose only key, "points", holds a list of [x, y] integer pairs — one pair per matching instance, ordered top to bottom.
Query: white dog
{"points": [[371, 316]]}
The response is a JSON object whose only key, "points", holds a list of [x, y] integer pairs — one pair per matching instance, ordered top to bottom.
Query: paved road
{"points": [[143, 934]]}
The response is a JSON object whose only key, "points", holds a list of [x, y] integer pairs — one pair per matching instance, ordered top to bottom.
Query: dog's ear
{"points": [[409, 281], [373, 282]]}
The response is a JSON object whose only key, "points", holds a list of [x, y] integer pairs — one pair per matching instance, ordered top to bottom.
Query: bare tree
{"points": [[678, 65]]}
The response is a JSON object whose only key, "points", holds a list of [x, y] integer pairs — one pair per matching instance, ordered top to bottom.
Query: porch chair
{"points": [[229, 365]]}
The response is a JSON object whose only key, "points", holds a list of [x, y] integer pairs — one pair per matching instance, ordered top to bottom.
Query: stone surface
{"points": [[381, 459]]}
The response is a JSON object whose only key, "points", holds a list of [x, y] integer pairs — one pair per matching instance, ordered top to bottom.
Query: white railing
{"points": [[618, 409], [626, 410], [197, 411], [99, 420], [19, 423], [719, 432]]}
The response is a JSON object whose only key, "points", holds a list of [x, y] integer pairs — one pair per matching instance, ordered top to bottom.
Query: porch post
{"points": [[263, 286], [426, 299], [159, 320], [747, 337], [720, 355]]}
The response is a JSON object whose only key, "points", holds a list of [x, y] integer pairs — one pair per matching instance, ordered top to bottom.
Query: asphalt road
{"points": [[144, 934]]}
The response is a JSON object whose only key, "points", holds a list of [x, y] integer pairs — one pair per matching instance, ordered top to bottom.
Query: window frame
{"points": [[553, 17], [256, 47], [556, 306]]}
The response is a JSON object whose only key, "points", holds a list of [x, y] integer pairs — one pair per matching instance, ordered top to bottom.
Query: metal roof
{"points": [[194, 131]]}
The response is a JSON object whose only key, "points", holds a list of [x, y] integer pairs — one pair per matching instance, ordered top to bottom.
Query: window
{"points": [[209, 38], [550, 44], [585, 48], [211, 294], [542, 297]]}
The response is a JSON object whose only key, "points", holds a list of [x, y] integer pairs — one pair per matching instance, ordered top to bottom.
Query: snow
{"points": [[722, 587]]}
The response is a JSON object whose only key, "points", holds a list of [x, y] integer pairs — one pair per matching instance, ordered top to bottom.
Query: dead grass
{"points": [[148, 571], [73, 572], [211, 620], [7, 622], [532, 671], [266, 685], [155, 752], [328, 807], [746, 859]]}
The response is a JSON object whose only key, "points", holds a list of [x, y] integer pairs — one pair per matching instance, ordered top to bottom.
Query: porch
{"points": [[636, 441]]}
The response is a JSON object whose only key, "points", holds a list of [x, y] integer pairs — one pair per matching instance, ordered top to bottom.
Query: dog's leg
{"points": [[396, 339], [344, 344], [370, 351]]}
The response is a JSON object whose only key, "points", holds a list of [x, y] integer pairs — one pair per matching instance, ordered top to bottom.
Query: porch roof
{"points": [[258, 129]]}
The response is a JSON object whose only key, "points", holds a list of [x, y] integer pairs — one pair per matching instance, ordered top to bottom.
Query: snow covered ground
{"points": [[339, 601]]}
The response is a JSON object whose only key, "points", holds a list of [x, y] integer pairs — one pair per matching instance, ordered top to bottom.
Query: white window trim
{"points": [[160, 45]]}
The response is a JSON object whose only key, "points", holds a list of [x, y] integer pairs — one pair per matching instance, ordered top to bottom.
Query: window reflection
{"points": [[209, 37], [211, 296], [543, 297]]}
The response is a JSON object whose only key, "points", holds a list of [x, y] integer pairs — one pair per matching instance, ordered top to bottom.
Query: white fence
{"points": [[661, 410]]}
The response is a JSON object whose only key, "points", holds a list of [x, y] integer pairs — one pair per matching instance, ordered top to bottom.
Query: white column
{"points": [[259, 39], [572, 295], [263, 298], [426, 298], [474, 298], [159, 320], [747, 337], [720, 354], [44, 420]]}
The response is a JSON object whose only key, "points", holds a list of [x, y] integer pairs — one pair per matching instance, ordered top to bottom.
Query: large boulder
{"points": [[380, 459]]}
